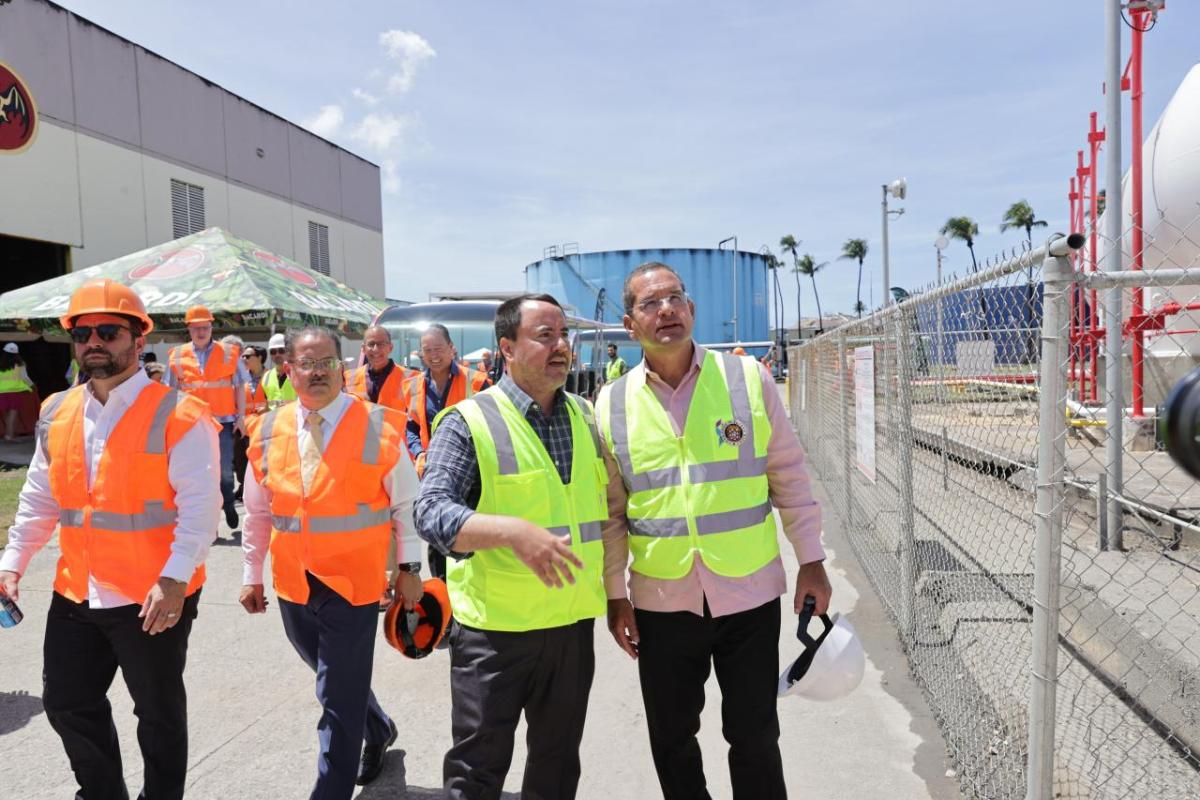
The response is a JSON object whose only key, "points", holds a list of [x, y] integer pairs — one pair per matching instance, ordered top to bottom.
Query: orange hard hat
{"points": [[106, 296], [197, 314], [739, 351], [416, 633]]}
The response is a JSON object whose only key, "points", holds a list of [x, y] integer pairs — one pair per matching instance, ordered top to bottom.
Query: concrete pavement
{"points": [[253, 714]]}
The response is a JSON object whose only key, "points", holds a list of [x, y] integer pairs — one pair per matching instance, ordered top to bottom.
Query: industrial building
{"points": [[107, 148]]}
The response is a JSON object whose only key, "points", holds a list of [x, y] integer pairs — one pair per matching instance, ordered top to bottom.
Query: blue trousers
{"points": [[225, 440], [337, 640]]}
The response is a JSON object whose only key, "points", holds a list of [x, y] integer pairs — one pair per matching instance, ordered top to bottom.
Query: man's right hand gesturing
{"points": [[548, 556]]}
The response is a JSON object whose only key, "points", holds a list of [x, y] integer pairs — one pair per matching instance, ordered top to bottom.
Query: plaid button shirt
{"points": [[451, 486]]}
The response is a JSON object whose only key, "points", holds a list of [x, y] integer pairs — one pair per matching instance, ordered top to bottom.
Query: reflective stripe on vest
{"points": [[49, 409], [674, 514], [493, 590]]}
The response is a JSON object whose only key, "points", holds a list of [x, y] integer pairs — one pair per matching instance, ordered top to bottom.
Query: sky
{"points": [[502, 128]]}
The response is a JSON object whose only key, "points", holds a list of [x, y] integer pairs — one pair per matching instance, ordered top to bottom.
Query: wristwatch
{"points": [[411, 567]]}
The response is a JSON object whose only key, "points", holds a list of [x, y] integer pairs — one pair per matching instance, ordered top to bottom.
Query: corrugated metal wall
{"points": [[708, 274]]}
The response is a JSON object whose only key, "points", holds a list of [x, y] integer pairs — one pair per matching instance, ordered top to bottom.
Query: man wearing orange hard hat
{"points": [[206, 369], [132, 552]]}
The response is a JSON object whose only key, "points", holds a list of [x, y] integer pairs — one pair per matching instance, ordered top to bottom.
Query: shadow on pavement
{"points": [[16, 709], [392, 783]]}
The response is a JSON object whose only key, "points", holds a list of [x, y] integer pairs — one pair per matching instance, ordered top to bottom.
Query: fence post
{"points": [[904, 441], [847, 452], [1048, 517]]}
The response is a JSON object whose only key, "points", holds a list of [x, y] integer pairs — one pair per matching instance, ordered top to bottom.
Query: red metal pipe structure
{"points": [[1137, 17], [1095, 137], [1073, 318]]}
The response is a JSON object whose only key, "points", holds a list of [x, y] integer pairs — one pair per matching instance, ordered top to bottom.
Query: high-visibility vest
{"points": [[615, 369], [10, 381], [213, 384], [462, 386], [272, 393], [393, 393], [256, 401], [701, 493], [341, 530], [119, 531], [493, 589]]}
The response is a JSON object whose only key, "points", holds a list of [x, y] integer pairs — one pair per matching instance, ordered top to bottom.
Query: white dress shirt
{"points": [[193, 470], [400, 485]]}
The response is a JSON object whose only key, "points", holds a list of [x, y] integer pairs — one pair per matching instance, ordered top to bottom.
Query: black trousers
{"points": [[337, 640], [81, 653], [675, 654], [494, 676]]}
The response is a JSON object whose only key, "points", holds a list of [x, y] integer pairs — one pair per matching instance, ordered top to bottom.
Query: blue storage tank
{"points": [[577, 279]]}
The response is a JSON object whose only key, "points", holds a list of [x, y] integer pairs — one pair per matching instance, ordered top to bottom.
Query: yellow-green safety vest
{"points": [[615, 369], [10, 381], [277, 395], [704, 492], [493, 589]]}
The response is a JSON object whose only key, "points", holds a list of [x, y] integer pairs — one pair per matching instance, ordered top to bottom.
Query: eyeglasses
{"points": [[674, 301], [107, 331], [277, 351], [249, 356], [311, 364]]}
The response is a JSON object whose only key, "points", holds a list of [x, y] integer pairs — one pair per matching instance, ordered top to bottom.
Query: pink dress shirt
{"points": [[790, 492]]}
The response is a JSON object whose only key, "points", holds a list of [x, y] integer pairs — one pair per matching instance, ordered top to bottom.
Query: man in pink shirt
{"points": [[705, 587]]}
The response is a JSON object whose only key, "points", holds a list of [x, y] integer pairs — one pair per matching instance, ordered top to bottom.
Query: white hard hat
{"points": [[277, 341], [11, 347], [831, 665]]}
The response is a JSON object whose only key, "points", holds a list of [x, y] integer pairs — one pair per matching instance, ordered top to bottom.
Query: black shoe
{"points": [[231, 518], [372, 757]]}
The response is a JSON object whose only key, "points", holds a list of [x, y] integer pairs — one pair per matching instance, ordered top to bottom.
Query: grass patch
{"points": [[11, 481]]}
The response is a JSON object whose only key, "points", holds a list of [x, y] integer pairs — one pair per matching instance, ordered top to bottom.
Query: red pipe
{"points": [[1137, 18], [1095, 137], [1072, 196]]}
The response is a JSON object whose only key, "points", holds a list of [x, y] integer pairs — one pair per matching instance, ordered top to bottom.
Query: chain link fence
{"points": [[1048, 601]]}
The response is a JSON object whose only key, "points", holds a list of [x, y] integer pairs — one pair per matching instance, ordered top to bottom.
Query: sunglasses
{"points": [[107, 331], [277, 351], [249, 356]]}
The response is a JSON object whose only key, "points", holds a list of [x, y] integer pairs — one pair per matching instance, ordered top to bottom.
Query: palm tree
{"points": [[1020, 215], [966, 229], [789, 246], [856, 250], [806, 265], [860, 307]]}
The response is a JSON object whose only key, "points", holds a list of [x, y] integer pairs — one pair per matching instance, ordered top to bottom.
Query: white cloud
{"points": [[409, 50], [364, 96], [327, 121], [380, 131], [390, 175]]}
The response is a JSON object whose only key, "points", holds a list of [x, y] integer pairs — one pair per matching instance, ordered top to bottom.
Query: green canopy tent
{"points": [[249, 290]]}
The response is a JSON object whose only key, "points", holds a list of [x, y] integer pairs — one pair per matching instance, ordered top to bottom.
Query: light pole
{"points": [[897, 189], [720, 244], [939, 244]]}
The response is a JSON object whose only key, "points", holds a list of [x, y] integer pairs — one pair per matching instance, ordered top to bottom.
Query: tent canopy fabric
{"points": [[249, 290]]}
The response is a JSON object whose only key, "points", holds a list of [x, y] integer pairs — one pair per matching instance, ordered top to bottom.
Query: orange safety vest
{"points": [[213, 385], [463, 385], [393, 394], [256, 398], [120, 531], [341, 531]]}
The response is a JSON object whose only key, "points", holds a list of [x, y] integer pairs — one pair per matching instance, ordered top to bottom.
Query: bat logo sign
{"points": [[18, 117]]}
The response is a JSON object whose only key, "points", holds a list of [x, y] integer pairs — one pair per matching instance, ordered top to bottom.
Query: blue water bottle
{"points": [[10, 615]]}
